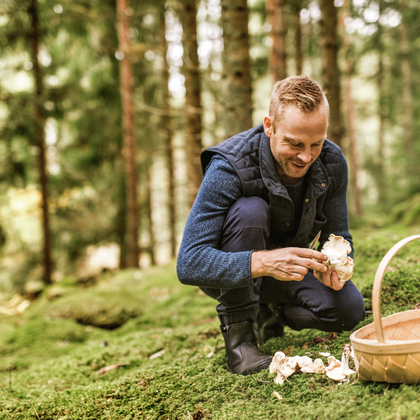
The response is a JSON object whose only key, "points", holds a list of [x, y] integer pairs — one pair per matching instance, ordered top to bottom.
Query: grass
{"points": [[170, 353]]}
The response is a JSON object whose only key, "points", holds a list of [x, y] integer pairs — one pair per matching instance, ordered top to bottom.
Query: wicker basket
{"points": [[388, 350]]}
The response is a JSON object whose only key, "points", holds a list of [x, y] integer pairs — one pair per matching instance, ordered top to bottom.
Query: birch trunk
{"points": [[40, 141], [129, 148]]}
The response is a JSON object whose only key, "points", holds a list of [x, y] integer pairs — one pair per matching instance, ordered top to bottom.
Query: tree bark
{"points": [[297, 6], [278, 58], [330, 70], [237, 82], [407, 97], [193, 109], [168, 140], [40, 141], [129, 148], [354, 163], [380, 175], [152, 243]]}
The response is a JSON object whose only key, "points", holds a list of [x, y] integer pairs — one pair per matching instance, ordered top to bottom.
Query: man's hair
{"points": [[301, 91]]}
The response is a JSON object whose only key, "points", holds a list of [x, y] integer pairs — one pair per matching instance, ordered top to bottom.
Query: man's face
{"points": [[296, 140]]}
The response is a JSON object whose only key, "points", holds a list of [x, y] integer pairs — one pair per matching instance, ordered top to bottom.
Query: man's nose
{"points": [[305, 155]]}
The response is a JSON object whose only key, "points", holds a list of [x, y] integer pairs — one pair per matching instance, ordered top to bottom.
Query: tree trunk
{"points": [[297, 6], [278, 59], [330, 71], [237, 82], [407, 98], [193, 109], [351, 116], [168, 140], [40, 141], [129, 150], [380, 176], [121, 216], [152, 240]]}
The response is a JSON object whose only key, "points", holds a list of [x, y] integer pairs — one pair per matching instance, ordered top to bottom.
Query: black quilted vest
{"points": [[249, 153]]}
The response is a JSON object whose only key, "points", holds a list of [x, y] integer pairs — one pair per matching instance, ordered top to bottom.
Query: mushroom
{"points": [[337, 250], [347, 352], [316, 367], [280, 368], [336, 370]]}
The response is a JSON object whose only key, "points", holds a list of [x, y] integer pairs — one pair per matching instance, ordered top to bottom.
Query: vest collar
{"points": [[317, 176]]}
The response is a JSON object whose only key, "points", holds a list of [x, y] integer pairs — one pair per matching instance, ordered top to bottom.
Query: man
{"points": [[265, 195]]}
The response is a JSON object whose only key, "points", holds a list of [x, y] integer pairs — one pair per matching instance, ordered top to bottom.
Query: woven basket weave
{"points": [[388, 350]]}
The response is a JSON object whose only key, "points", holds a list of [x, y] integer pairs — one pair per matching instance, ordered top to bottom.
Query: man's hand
{"points": [[287, 264], [330, 279]]}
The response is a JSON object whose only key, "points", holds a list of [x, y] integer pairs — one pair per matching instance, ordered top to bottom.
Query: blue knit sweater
{"points": [[200, 262]]}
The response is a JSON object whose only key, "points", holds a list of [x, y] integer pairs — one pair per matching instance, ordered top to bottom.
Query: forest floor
{"points": [[167, 361]]}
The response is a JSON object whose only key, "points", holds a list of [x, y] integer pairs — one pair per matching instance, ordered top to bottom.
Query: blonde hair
{"points": [[301, 91]]}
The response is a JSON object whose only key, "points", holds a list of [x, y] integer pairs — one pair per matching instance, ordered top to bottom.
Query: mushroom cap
{"points": [[337, 250], [336, 374]]}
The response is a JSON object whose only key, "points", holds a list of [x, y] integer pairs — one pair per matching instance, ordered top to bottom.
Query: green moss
{"points": [[49, 367]]}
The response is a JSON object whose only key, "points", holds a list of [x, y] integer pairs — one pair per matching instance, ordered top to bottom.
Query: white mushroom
{"points": [[337, 250], [347, 352], [333, 363], [316, 367], [280, 368], [336, 370]]}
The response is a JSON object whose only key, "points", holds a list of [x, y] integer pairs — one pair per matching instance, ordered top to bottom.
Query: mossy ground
{"points": [[50, 364]]}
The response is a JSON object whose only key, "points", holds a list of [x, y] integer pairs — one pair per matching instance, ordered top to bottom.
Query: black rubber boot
{"points": [[268, 323], [242, 354]]}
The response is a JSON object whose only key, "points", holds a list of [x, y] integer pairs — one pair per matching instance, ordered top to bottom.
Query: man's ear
{"points": [[268, 126]]}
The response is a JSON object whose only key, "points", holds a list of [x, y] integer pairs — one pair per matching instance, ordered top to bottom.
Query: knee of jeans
{"points": [[248, 212], [350, 313]]}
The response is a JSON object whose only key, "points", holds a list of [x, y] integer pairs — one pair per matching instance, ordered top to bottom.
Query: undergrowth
{"points": [[167, 359]]}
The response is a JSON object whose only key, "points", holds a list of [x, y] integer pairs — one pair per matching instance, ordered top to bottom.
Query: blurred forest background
{"points": [[106, 105]]}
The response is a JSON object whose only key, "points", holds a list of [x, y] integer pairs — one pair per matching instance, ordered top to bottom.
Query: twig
{"points": [[264, 382], [386, 389], [34, 409]]}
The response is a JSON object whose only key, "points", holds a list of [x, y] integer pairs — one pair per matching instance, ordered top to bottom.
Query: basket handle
{"points": [[377, 284]]}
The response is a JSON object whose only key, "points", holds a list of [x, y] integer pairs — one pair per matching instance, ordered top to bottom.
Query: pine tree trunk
{"points": [[298, 36], [278, 59], [330, 70], [237, 83], [407, 97], [193, 109], [351, 117], [168, 140], [40, 141], [129, 151], [380, 176], [121, 216], [152, 240]]}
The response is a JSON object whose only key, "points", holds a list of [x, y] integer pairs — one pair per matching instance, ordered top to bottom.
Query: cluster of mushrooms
{"points": [[337, 250], [282, 366]]}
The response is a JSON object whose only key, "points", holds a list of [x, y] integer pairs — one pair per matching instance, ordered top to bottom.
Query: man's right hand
{"points": [[286, 264]]}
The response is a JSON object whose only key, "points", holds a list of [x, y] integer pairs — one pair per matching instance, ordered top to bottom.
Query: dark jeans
{"points": [[304, 304]]}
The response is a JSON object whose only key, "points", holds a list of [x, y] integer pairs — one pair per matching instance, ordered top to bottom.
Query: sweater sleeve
{"points": [[336, 212], [200, 262]]}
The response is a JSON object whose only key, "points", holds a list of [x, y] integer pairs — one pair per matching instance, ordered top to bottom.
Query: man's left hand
{"points": [[330, 279]]}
